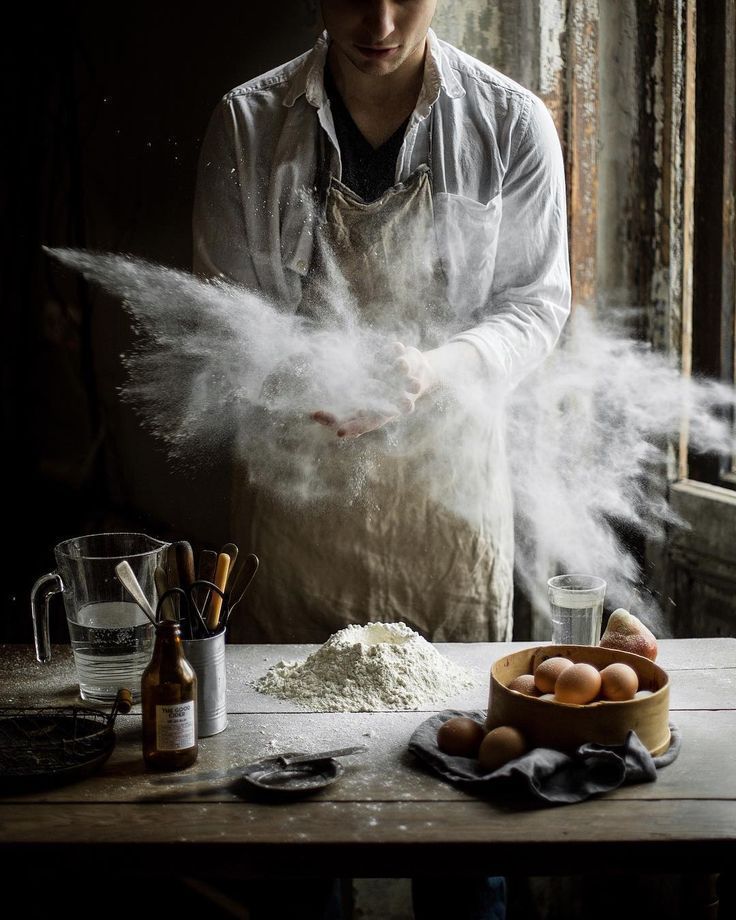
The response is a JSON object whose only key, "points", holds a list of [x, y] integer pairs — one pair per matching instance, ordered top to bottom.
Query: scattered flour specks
{"points": [[379, 666]]}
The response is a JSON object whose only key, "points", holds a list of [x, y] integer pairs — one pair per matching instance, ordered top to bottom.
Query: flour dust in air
{"points": [[587, 434]]}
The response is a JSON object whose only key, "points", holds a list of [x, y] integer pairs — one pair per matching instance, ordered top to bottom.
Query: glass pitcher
{"points": [[111, 637]]}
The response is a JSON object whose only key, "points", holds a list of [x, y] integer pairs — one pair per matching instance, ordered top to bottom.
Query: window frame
{"points": [[713, 326]]}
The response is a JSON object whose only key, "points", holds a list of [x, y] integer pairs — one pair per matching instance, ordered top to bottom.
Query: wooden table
{"points": [[386, 811]]}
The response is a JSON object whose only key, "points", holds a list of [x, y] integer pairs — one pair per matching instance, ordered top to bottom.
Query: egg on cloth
{"points": [[460, 737], [499, 746]]}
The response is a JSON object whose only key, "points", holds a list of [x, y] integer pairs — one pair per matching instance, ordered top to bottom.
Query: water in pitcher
{"points": [[577, 623], [112, 644]]}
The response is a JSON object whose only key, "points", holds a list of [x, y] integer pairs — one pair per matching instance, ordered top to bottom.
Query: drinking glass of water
{"points": [[576, 605]]}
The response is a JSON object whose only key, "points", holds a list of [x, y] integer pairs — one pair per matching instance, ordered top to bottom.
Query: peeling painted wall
{"points": [[482, 29], [522, 38], [605, 68], [618, 155]]}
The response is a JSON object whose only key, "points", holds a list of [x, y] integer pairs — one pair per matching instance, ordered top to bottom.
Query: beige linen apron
{"points": [[396, 551]]}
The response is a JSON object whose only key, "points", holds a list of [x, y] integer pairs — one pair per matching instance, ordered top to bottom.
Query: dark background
{"points": [[103, 112]]}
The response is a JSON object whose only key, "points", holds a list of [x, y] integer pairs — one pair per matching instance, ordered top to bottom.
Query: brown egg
{"points": [[546, 674], [619, 682], [524, 683], [578, 684], [460, 737], [499, 746]]}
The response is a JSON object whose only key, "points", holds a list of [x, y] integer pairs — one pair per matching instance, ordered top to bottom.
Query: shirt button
{"points": [[301, 265]]}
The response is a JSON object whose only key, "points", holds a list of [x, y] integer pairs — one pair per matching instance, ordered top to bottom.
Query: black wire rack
{"points": [[53, 745]]}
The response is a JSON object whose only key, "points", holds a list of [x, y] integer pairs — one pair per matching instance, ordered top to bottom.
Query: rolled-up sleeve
{"points": [[219, 231], [530, 299]]}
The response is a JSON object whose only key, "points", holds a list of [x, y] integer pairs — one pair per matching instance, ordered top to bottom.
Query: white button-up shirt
{"points": [[498, 194]]}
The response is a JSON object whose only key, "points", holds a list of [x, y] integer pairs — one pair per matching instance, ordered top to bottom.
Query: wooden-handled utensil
{"points": [[232, 550], [185, 564], [207, 565], [205, 572], [172, 578], [162, 586], [214, 604]]}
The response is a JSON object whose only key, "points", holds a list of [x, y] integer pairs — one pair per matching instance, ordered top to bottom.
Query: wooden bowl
{"points": [[565, 726]]}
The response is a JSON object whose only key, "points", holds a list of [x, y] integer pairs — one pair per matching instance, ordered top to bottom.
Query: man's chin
{"points": [[376, 68], [379, 71]]}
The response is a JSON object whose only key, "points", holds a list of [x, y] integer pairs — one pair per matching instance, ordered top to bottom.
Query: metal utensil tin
{"points": [[207, 657]]}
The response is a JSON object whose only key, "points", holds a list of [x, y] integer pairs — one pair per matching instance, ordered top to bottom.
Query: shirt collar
{"points": [[438, 76]]}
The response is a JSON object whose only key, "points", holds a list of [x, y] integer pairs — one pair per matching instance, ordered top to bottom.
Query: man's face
{"points": [[378, 36]]}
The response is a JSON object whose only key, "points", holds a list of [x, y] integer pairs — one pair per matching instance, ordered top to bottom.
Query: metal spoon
{"points": [[127, 577]]}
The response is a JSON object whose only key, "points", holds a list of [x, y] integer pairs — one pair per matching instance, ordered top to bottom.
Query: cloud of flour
{"points": [[214, 363], [586, 433]]}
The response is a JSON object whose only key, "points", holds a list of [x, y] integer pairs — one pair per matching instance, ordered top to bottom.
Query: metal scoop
{"points": [[297, 774]]}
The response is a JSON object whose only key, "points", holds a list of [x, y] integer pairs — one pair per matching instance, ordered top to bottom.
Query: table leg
{"points": [[701, 896]]}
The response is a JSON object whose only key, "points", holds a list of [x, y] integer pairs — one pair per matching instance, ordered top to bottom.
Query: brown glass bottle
{"points": [[169, 703]]}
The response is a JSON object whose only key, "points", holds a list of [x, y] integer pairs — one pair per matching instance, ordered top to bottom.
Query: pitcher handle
{"points": [[41, 615]]}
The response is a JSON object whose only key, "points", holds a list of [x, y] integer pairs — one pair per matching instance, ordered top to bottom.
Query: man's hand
{"points": [[409, 376]]}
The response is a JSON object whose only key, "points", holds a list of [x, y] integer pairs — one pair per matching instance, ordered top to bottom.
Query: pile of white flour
{"points": [[367, 668]]}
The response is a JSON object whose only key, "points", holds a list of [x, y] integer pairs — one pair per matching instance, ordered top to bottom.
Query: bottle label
{"points": [[175, 727]]}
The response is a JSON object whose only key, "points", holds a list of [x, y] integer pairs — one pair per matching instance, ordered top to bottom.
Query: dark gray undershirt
{"points": [[366, 171]]}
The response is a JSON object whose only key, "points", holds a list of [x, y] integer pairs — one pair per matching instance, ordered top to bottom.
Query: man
{"points": [[385, 147], [430, 189]]}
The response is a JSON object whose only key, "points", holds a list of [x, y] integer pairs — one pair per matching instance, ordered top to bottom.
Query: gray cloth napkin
{"points": [[548, 776]]}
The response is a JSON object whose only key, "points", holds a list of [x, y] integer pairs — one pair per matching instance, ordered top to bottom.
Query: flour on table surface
{"points": [[379, 666]]}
